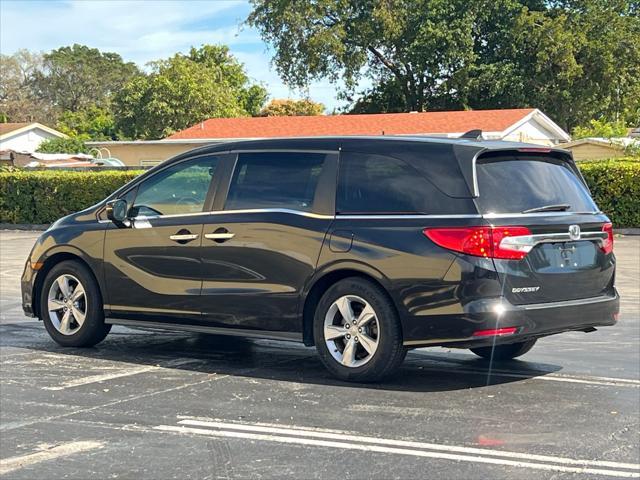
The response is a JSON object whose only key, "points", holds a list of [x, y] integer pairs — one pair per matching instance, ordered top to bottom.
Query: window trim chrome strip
{"points": [[230, 212], [538, 214], [403, 217], [525, 243]]}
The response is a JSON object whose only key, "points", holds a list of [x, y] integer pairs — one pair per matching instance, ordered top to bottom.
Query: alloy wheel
{"points": [[67, 304], [351, 331]]}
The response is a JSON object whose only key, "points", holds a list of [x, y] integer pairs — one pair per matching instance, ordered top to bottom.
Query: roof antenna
{"points": [[473, 134]]}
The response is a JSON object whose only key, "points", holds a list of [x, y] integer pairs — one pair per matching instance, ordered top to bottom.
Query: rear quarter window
{"points": [[380, 184], [515, 184]]}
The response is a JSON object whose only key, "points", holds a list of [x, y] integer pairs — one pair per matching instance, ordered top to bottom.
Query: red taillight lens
{"points": [[479, 241], [607, 245], [495, 332]]}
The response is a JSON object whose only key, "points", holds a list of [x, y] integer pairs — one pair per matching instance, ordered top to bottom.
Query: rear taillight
{"points": [[479, 241], [607, 244]]}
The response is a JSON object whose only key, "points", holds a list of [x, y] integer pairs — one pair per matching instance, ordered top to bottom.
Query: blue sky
{"points": [[145, 30]]}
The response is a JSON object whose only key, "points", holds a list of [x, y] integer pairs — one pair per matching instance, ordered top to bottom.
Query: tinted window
{"points": [[275, 180], [380, 184], [515, 185], [179, 189]]}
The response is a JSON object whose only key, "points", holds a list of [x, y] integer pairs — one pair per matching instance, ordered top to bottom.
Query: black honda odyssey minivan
{"points": [[362, 246]]}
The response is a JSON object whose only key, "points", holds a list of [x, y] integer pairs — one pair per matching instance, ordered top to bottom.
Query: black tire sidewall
{"points": [[93, 329], [390, 351]]}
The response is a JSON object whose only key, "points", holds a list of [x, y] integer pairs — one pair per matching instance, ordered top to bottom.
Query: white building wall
{"points": [[532, 132], [27, 141]]}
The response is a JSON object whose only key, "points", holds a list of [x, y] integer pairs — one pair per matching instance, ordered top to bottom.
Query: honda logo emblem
{"points": [[574, 232]]}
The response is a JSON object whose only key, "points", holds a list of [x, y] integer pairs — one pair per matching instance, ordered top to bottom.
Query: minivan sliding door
{"points": [[260, 250]]}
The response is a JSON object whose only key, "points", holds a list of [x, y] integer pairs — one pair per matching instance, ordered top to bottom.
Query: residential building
{"points": [[523, 125], [25, 137]]}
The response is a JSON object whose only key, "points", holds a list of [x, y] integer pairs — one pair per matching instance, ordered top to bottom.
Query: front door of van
{"points": [[260, 250], [153, 268]]}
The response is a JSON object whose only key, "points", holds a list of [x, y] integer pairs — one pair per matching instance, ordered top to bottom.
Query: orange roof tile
{"points": [[371, 124], [10, 127]]}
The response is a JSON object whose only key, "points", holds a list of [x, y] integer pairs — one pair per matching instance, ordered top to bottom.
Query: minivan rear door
{"points": [[568, 248]]}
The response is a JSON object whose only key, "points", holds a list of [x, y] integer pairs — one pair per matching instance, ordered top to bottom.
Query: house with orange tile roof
{"points": [[522, 125]]}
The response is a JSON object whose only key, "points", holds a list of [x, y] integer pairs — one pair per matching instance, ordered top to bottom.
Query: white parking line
{"points": [[121, 373], [345, 440], [14, 463]]}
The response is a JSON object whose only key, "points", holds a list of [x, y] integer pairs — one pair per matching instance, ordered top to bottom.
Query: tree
{"points": [[418, 45], [574, 59], [78, 77], [186, 89], [18, 101], [290, 107], [90, 123], [601, 129], [63, 145]]}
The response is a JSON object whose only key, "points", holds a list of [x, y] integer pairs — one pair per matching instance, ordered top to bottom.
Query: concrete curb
{"points": [[24, 226], [626, 231]]}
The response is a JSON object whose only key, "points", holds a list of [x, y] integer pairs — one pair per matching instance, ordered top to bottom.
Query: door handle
{"points": [[220, 235], [183, 237]]}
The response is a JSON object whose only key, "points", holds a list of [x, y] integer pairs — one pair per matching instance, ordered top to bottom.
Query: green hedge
{"points": [[615, 186], [38, 197]]}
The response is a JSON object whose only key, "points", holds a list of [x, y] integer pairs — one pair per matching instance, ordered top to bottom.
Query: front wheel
{"points": [[71, 306], [357, 331], [504, 352]]}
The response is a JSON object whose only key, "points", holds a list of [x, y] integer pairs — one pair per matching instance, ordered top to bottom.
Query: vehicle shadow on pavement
{"points": [[266, 359]]}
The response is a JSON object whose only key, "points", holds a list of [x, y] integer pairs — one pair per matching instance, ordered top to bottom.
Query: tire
{"points": [[63, 282], [379, 325], [504, 352]]}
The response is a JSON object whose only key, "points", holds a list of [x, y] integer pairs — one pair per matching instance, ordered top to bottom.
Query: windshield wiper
{"points": [[561, 207]]}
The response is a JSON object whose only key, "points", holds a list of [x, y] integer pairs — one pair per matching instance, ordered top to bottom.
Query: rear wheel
{"points": [[71, 306], [357, 331], [504, 352]]}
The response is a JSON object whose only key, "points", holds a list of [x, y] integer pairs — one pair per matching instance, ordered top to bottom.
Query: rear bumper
{"points": [[530, 321]]}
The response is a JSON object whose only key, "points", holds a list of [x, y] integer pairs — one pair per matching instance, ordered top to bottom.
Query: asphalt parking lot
{"points": [[157, 405]]}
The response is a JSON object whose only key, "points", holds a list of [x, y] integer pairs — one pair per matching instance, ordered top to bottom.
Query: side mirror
{"points": [[117, 210]]}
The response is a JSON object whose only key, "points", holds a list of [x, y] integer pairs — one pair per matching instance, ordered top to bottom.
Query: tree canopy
{"points": [[574, 59], [78, 77], [185, 89], [18, 99], [290, 107], [63, 145]]}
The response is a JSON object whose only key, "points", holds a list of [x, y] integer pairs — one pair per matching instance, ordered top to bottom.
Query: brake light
{"points": [[534, 150], [479, 241], [607, 245], [495, 332]]}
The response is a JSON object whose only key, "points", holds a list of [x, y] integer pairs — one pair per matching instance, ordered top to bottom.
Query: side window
{"points": [[275, 180], [378, 184], [179, 189]]}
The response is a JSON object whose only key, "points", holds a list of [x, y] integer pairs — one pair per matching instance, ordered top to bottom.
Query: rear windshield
{"points": [[513, 185]]}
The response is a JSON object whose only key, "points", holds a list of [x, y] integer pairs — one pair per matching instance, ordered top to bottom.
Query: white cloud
{"points": [[139, 30], [146, 30]]}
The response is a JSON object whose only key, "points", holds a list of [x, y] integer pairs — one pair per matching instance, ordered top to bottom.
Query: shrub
{"points": [[601, 128], [63, 145], [615, 186], [44, 196], [39, 197]]}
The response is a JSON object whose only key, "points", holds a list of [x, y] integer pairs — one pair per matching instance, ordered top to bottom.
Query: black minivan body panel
{"points": [[261, 280]]}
